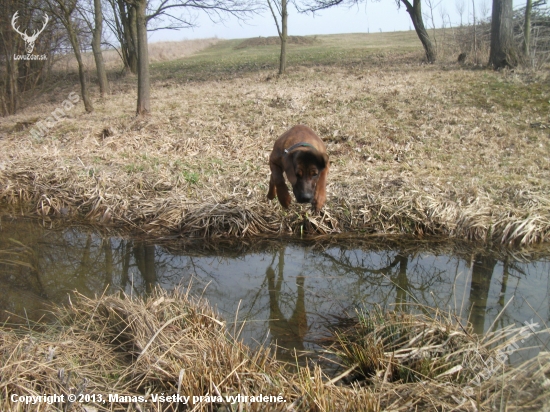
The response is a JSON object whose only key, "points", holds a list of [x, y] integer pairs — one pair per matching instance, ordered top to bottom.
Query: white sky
{"points": [[370, 16]]}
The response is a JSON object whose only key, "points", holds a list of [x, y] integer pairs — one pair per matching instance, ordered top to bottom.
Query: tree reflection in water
{"points": [[287, 289], [286, 333]]}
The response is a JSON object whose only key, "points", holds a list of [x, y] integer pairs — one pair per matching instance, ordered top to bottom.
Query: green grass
{"points": [[228, 59], [505, 92], [134, 168], [191, 177]]}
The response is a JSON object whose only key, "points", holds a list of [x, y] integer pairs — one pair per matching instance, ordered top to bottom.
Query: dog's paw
{"points": [[272, 192], [285, 200], [317, 205]]}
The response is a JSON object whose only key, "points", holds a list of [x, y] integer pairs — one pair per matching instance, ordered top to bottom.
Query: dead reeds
{"points": [[414, 150], [172, 344]]}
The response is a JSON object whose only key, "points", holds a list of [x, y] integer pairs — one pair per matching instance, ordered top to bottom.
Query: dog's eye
{"points": [[314, 174]]}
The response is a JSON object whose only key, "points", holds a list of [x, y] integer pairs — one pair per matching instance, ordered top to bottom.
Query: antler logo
{"points": [[29, 40]]}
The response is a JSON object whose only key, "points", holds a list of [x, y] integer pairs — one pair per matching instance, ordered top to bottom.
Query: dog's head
{"points": [[302, 169]]}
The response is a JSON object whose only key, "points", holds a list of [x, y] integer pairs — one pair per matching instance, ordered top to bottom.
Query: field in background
{"points": [[263, 51], [158, 52], [231, 58], [444, 149]]}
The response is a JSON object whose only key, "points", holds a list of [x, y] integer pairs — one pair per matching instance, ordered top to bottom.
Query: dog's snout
{"points": [[304, 197]]}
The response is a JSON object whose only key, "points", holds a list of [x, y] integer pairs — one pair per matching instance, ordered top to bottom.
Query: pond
{"points": [[285, 291]]}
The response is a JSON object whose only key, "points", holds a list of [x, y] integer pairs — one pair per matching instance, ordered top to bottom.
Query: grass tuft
{"points": [[173, 344]]}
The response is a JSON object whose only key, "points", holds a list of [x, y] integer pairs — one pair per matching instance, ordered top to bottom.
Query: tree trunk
{"points": [[415, 11], [527, 28], [475, 31], [284, 36], [73, 38], [128, 38], [133, 40], [10, 43], [96, 48], [502, 52], [11, 86], [144, 100], [144, 256]]}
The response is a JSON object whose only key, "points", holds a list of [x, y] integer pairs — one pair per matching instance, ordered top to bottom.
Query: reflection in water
{"points": [[144, 255], [482, 274], [398, 279], [401, 283], [285, 291], [287, 333]]}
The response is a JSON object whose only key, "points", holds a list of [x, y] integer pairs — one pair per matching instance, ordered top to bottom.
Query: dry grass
{"points": [[158, 52], [416, 149], [170, 343], [405, 351]]}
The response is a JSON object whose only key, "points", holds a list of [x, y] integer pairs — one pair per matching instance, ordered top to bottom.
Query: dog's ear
{"points": [[313, 157], [324, 163], [288, 166]]}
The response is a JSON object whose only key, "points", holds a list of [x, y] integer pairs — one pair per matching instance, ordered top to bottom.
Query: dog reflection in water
{"points": [[287, 333]]}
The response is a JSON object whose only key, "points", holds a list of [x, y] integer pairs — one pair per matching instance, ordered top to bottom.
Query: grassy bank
{"points": [[441, 149], [172, 344]]}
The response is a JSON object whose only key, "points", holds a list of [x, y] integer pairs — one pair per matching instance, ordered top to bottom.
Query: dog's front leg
{"points": [[277, 186], [320, 196]]}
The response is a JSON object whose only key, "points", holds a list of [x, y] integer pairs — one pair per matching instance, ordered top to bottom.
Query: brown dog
{"points": [[302, 155]]}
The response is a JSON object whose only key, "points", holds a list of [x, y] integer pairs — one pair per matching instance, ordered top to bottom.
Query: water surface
{"points": [[287, 291]]}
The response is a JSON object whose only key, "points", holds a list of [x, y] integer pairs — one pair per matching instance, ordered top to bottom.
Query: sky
{"points": [[370, 16]]}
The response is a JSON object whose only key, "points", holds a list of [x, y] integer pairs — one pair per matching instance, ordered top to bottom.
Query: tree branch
{"points": [[275, 18]]}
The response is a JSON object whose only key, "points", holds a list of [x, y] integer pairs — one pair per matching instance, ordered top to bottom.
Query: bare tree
{"points": [[432, 4], [459, 5], [215, 9], [414, 9], [484, 9], [65, 11], [415, 12], [95, 13], [444, 15], [122, 22], [24, 28], [527, 28], [282, 30], [475, 30], [532, 32], [97, 33], [502, 52], [144, 81]]}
